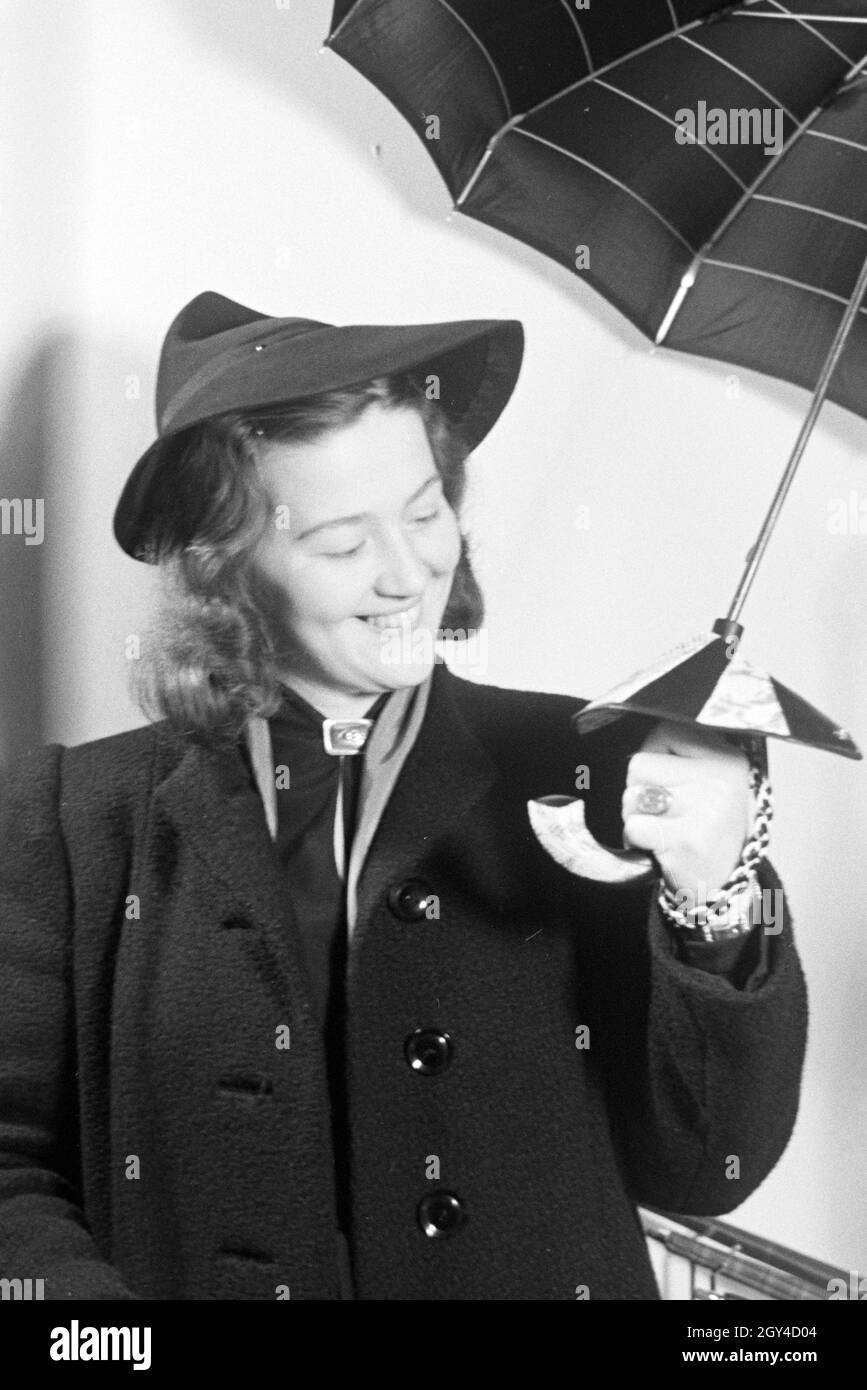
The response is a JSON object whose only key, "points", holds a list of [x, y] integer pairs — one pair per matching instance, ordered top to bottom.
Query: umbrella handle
{"points": [[559, 825]]}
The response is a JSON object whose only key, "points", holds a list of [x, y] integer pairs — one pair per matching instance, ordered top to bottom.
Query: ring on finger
{"points": [[653, 801]]}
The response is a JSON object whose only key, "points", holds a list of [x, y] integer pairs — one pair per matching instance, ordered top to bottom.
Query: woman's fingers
{"points": [[698, 829]]}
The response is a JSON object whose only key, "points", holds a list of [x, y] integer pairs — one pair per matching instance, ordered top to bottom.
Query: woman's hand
{"points": [[698, 840]]}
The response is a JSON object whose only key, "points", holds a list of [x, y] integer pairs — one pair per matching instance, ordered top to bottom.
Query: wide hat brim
{"points": [[219, 356]]}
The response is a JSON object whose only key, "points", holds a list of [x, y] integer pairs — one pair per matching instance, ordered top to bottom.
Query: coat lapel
{"points": [[446, 773], [210, 800], [215, 806]]}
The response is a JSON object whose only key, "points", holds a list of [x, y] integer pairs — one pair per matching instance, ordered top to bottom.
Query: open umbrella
{"points": [[710, 158], [704, 167]]}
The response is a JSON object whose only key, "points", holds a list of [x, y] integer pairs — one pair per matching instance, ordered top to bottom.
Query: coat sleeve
{"points": [[701, 1072], [702, 1077], [42, 1228]]}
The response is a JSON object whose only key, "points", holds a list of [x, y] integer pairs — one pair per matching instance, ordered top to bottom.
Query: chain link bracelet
{"points": [[732, 910]]}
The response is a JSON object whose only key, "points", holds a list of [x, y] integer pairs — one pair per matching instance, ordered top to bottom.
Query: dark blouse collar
{"points": [[296, 717]]}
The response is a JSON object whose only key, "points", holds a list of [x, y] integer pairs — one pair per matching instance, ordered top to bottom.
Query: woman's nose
{"points": [[401, 572]]}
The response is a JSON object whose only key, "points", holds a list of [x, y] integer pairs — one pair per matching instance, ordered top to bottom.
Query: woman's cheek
{"points": [[273, 559], [325, 591]]}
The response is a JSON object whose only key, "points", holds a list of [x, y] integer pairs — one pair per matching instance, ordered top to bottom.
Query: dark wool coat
{"points": [[155, 1141]]}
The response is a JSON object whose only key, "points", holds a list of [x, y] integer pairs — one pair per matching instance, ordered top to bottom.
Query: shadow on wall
{"points": [[74, 419], [27, 440]]}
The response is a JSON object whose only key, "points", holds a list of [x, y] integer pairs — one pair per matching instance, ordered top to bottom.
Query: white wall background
{"points": [[157, 150]]}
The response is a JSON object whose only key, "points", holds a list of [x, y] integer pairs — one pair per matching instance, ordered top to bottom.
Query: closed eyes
{"points": [[416, 521], [342, 554]]}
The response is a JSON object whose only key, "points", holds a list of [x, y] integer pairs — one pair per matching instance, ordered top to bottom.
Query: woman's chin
{"points": [[406, 656], [399, 675]]}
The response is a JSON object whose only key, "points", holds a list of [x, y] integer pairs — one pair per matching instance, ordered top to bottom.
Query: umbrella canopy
{"points": [[703, 166]]}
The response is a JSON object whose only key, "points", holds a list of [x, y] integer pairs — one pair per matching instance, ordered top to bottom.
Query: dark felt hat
{"points": [[219, 356]]}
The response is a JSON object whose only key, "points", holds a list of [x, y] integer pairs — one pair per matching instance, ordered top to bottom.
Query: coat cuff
{"points": [[744, 962]]}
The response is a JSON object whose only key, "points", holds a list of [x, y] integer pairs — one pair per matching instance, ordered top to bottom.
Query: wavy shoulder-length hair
{"points": [[208, 661]]}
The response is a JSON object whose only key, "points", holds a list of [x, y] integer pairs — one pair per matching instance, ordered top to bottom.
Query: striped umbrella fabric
{"points": [[702, 166]]}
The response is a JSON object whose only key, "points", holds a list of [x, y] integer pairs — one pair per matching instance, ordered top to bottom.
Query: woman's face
{"points": [[359, 557]]}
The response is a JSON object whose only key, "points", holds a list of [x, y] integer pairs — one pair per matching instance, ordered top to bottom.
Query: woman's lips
{"points": [[399, 618]]}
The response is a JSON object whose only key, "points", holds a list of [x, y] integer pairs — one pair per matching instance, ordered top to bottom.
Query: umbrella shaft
{"points": [[834, 354]]}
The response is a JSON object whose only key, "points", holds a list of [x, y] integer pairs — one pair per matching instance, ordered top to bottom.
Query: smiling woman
{"points": [[281, 531], [377, 548], [292, 1002]]}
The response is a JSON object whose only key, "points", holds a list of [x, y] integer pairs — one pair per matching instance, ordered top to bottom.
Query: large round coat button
{"points": [[408, 901], [428, 1051], [441, 1214]]}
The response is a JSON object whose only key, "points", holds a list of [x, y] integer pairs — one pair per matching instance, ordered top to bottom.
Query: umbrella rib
{"points": [[819, 18], [799, 19], [344, 21], [580, 32], [615, 62], [740, 73], [591, 76], [505, 95], [662, 116], [838, 139], [579, 159], [480, 167], [807, 207], [691, 274], [782, 279]]}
